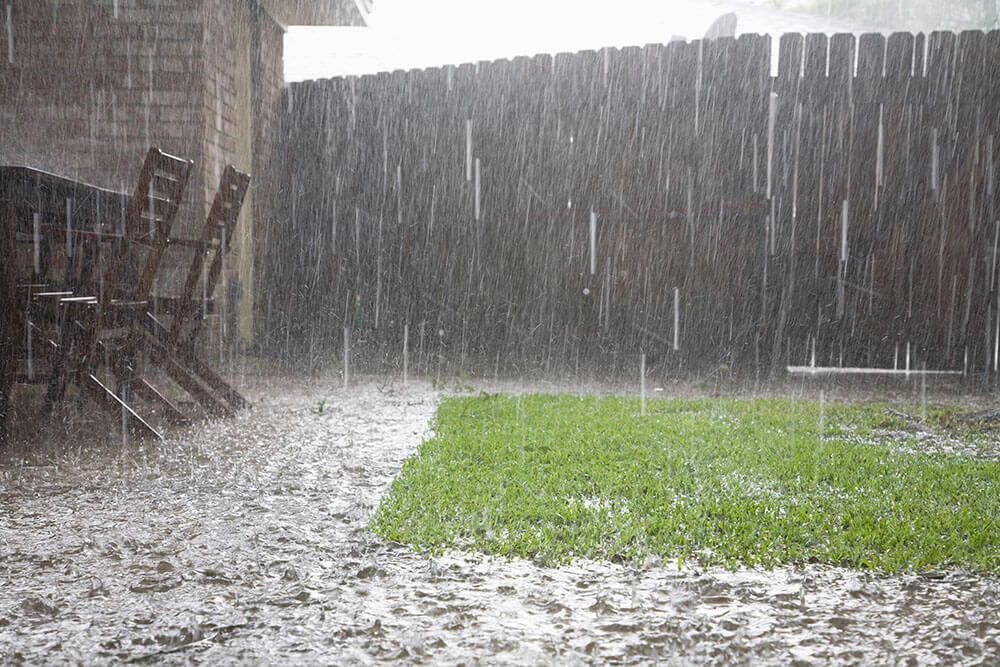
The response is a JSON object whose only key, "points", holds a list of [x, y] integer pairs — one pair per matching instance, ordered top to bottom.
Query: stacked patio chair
{"points": [[97, 322], [105, 325], [173, 347]]}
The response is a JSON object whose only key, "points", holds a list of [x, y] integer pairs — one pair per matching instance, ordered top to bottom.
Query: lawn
{"points": [[759, 482]]}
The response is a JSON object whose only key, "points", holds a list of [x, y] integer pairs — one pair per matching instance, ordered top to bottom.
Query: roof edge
{"points": [[319, 12]]}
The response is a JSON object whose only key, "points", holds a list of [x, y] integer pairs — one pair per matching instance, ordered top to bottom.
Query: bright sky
{"points": [[408, 34]]}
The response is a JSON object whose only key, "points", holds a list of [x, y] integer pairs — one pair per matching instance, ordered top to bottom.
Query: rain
{"points": [[206, 392]]}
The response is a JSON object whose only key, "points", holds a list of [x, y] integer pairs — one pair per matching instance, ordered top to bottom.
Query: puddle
{"points": [[246, 540]]}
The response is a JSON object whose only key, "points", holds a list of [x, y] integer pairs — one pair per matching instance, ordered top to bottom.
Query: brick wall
{"points": [[86, 86], [242, 86], [264, 196]]}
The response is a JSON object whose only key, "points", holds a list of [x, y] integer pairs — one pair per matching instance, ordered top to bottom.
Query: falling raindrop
{"points": [[10, 35], [128, 64], [697, 85], [772, 111], [468, 149], [879, 151], [934, 158], [756, 160], [795, 167], [477, 189], [399, 194], [151, 196], [772, 225], [69, 228], [333, 228], [843, 230], [357, 234], [37, 239], [593, 244], [378, 274], [204, 285], [224, 318], [677, 318], [996, 342], [406, 352], [347, 355], [30, 357], [642, 384], [923, 392], [822, 415]]}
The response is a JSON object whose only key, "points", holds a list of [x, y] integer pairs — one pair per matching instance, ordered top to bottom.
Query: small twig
{"points": [[980, 416], [912, 422]]}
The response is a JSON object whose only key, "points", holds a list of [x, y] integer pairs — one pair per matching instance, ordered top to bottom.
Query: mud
{"points": [[246, 540]]}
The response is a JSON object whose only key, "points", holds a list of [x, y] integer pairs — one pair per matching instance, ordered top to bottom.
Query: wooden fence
{"points": [[678, 199]]}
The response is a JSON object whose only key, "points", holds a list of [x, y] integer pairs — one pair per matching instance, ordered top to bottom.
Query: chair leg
{"points": [[213, 380], [188, 382], [151, 394], [114, 405]]}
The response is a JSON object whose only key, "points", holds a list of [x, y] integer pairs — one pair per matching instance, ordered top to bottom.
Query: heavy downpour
{"points": [[341, 331]]}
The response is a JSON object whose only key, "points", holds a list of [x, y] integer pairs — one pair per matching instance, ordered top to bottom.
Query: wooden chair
{"points": [[107, 321], [110, 326], [177, 342], [172, 348]]}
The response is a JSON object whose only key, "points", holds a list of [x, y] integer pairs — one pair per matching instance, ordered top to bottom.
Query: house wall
{"points": [[268, 82], [86, 86], [86, 91]]}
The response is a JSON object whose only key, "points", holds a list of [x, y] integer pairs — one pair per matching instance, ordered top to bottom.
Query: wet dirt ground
{"points": [[246, 541]]}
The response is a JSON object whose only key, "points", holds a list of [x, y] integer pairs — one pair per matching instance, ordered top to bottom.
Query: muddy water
{"points": [[246, 541]]}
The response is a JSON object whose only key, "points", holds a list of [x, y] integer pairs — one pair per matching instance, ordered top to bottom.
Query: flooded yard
{"points": [[246, 540]]}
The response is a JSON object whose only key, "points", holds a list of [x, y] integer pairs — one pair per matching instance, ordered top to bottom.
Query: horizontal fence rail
{"points": [[687, 200]]}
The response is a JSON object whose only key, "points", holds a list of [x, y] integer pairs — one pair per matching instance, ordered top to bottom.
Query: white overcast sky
{"points": [[408, 34]]}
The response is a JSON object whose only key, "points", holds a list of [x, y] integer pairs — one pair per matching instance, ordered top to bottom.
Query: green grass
{"points": [[717, 481]]}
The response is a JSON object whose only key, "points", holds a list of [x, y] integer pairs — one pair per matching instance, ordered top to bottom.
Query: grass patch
{"points": [[720, 481]]}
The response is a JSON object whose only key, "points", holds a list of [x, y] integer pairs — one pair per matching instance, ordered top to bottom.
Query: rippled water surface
{"points": [[246, 541]]}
